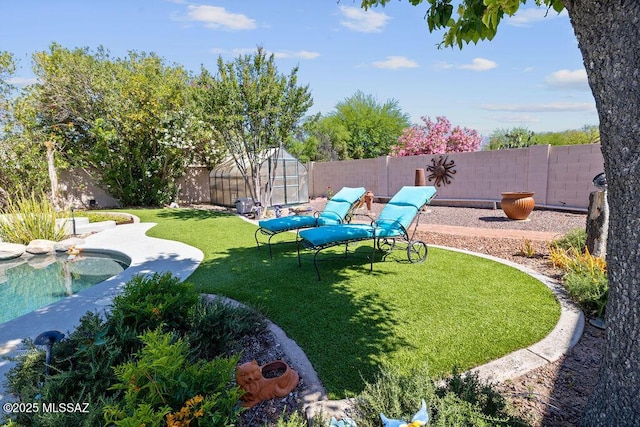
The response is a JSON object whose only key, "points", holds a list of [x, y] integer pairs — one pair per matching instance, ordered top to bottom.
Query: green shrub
{"points": [[28, 218], [575, 238], [585, 278], [589, 289], [149, 302], [215, 326], [95, 361], [162, 381], [458, 401], [295, 419]]}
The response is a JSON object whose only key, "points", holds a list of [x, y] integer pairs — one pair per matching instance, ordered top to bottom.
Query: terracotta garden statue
{"points": [[280, 380]]}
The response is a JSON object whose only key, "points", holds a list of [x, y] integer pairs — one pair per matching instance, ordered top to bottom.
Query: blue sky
{"points": [[530, 75]]}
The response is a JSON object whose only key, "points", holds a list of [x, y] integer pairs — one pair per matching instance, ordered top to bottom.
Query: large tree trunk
{"points": [[607, 33]]}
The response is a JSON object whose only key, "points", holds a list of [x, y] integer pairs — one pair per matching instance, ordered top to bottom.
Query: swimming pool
{"points": [[30, 283]]}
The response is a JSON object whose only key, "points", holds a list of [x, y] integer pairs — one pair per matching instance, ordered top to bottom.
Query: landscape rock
{"points": [[66, 244], [40, 246], [11, 250]]}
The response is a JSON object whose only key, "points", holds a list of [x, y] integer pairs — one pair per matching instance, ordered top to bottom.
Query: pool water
{"points": [[27, 284]]}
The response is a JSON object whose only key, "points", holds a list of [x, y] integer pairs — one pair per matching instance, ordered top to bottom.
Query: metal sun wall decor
{"points": [[441, 170]]}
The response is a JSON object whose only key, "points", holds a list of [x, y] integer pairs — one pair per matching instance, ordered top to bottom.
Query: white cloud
{"points": [[531, 15], [219, 18], [363, 21], [302, 54], [395, 62], [477, 64], [567, 79], [22, 81], [542, 108]]}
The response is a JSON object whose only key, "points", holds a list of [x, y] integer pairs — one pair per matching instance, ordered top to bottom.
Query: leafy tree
{"points": [[607, 33], [253, 110], [127, 120], [363, 128], [586, 135], [521, 137], [436, 138], [504, 139], [312, 140], [22, 168]]}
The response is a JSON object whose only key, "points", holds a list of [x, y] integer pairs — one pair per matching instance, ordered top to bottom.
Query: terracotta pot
{"points": [[421, 179], [368, 199], [517, 204]]}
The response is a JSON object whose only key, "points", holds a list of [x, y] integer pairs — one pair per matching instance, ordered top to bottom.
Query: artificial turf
{"points": [[453, 310]]}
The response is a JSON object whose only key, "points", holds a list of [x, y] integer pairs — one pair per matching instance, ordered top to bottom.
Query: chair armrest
{"points": [[392, 224]]}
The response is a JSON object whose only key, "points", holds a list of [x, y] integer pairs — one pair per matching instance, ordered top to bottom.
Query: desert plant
{"points": [[29, 217], [575, 238], [527, 249], [585, 277], [151, 301], [214, 327], [162, 381], [460, 400]]}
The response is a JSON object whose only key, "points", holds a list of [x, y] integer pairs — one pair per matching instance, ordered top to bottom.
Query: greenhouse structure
{"points": [[290, 186]]}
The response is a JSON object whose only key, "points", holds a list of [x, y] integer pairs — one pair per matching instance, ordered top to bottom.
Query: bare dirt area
{"points": [[552, 395]]}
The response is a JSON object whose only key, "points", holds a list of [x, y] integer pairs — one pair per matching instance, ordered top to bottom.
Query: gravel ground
{"points": [[553, 395]]}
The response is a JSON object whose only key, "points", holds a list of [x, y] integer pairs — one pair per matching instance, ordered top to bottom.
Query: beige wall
{"points": [[559, 176], [194, 187], [78, 188]]}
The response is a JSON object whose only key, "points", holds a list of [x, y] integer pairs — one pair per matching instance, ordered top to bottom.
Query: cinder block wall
{"points": [[559, 176], [194, 186]]}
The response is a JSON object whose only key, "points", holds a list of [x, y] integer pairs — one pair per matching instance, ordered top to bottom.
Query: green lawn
{"points": [[452, 310]]}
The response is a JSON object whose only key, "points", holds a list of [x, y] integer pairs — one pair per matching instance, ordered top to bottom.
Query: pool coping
{"points": [[148, 255]]}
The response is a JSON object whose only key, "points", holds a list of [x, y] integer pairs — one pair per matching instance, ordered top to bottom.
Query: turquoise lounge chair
{"points": [[336, 211], [386, 232]]}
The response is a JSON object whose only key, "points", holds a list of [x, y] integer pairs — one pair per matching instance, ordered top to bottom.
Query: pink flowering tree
{"points": [[436, 138]]}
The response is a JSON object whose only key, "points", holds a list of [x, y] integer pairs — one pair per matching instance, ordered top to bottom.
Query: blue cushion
{"points": [[349, 195], [413, 196], [335, 211], [288, 223], [336, 234]]}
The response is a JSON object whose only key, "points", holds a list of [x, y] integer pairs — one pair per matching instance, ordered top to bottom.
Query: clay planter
{"points": [[368, 199], [517, 204], [275, 379]]}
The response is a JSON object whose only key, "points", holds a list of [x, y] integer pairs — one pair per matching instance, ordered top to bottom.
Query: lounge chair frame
{"points": [[326, 214], [270, 233], [416, 250]]}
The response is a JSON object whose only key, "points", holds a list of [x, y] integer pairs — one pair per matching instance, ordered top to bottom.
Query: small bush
{"points": [[28, 218], [575, 239], [585, 276], [589, 290], [149, 302], [214, 327], [162, 381], [459, 401]]}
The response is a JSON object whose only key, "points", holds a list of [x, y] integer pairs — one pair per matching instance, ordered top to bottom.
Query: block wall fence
{"points": [[560, 177]]}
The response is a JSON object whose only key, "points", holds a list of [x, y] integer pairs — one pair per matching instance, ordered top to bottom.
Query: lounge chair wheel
{"points": [[386, 245], [417, 251]]}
